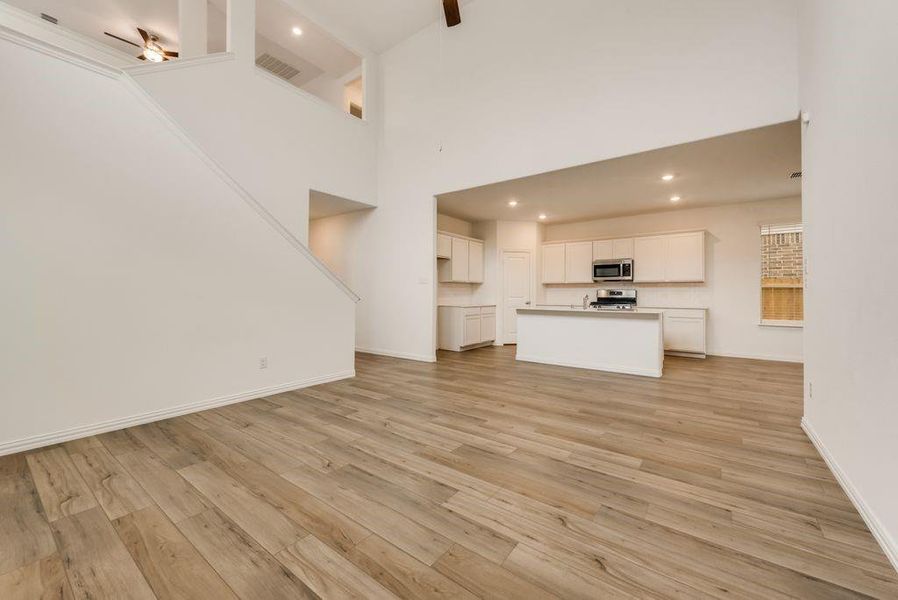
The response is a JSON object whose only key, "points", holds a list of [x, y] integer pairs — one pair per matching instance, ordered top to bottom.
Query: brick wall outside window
{"points": [[782, 267]]}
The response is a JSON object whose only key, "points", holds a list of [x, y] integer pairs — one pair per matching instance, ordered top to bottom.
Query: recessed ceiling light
{"points": [[297, 31], [667, 177], [674, 198], [512, 203], [542, 216]]}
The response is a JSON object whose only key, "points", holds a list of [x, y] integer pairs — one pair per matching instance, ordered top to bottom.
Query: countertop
{"points": [[463, 305], [577, 310]]}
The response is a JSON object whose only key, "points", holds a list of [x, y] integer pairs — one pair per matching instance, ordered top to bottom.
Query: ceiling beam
{"points": [[453, 15]]}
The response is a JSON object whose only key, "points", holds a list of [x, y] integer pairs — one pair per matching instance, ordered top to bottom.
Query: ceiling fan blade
{"points": [[453, 16], [144, 35], [121, 39], [170, 54]]}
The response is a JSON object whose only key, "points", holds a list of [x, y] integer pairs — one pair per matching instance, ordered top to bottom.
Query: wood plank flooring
{"points": [[475, 477]]}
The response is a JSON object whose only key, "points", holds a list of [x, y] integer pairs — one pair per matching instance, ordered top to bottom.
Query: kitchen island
{"points": [[620, 341]]}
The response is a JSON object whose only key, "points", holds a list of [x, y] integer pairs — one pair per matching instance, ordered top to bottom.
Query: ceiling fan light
{"points": [[153, 52]]}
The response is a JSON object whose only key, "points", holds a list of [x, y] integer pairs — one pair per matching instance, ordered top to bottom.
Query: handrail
{"points": [[33, 43]]}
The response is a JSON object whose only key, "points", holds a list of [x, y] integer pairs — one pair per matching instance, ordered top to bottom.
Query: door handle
{"points": [[527, 302]]}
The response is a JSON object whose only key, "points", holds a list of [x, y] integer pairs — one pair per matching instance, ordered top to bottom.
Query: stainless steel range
{"points": [[615, 300]]}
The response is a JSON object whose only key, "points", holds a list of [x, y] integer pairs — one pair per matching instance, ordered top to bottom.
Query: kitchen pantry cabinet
{"points": [[673, 258], [464, 263], [461, 328]]}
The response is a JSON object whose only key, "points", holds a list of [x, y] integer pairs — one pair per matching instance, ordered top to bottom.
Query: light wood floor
{"points": [[474, 477]]}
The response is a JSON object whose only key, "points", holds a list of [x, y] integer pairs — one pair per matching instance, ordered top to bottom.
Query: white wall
{"points": [[849, 85], [526, 86], [276, 140], [454, 225], [137, 283], [731, 291]]}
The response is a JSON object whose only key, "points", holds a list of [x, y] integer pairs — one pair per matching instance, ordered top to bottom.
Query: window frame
{"points": [[769, 229]]}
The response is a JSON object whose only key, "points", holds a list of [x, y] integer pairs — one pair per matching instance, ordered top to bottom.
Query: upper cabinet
{"points": [[444, 246], [622, 248], [610, 249], [670, 258], [674, 258], [464, 259], [475, 261], [578, 262], [553, 263]]}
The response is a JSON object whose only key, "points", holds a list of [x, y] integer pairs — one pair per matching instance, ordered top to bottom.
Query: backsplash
{"points": [[661, 296]]}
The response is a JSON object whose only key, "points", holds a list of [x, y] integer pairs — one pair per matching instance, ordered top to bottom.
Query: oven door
{"points": [[606, 270]]}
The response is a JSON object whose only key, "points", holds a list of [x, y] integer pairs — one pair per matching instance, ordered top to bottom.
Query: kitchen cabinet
{"points": [[444, 246], [622, 248], [610, 249], [603, 250], [685, 257], [649, 258], [674, 258], [475, 261], [578, 262], [464, 263], [553, 263], [458, 264], [462, 328], [684, 331]]}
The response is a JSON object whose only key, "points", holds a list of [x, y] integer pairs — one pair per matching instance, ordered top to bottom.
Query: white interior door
{"points": [[515, 292]]}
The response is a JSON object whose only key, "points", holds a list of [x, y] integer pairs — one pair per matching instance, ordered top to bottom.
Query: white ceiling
{"points": [[381, 24], [313, 53], [740, 167]]}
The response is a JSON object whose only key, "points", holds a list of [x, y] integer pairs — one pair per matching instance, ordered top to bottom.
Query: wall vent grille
{"points": [[49, 18], [276, 66], [795, 175]]}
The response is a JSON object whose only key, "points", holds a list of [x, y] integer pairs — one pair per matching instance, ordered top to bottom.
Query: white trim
{"points": [[38, 45], [181, 63], [776, 323], [403, 355], [789, 359], [591, 366], [81, 431], [886, 542]]}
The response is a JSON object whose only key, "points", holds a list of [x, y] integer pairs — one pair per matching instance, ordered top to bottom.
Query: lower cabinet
{"points": [[461, 328], [684, 331]]}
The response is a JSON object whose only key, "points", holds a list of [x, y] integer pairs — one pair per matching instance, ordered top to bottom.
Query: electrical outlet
{"points": [[263, 362], [810, 391]]}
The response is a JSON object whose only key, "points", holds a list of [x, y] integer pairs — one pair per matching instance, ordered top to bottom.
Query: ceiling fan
{"points": [[453, 16], [152, 51]]}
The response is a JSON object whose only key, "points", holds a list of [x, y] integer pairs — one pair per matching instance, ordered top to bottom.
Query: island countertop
{"points": [[601, 312]]}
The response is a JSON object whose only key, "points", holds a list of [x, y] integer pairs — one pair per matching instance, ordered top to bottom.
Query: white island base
{"points": [[620, 341]]}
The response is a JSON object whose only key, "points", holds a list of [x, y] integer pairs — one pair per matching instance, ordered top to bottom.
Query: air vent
{"points": [[49, 18], [276, 66], [795, 175]]}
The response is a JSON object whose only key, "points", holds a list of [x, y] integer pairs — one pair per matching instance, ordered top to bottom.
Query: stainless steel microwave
{"points": [[618, 269]]}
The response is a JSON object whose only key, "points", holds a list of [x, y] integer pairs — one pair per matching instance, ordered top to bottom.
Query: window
{"points": [[782, 280]]}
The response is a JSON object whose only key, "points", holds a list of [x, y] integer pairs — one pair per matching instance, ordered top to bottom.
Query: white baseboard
{"points": [[403, 355], [790, 359], [593, 367], [81, 431], [886, 542]]}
